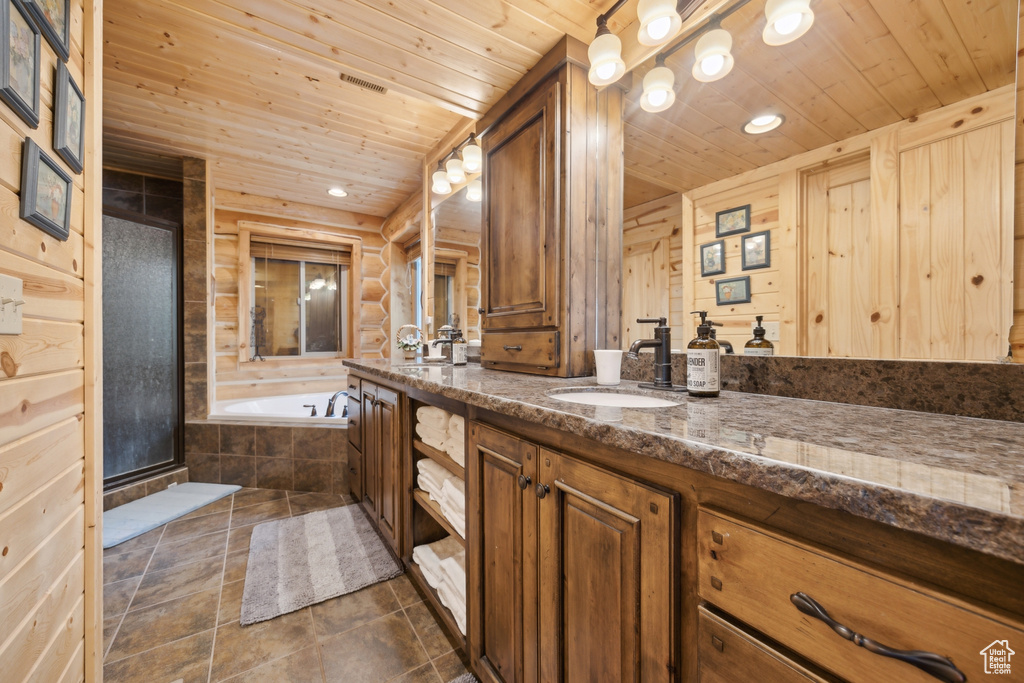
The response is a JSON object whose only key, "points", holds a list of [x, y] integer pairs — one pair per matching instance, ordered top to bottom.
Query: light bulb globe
{"points": [[787, 21], [606, 65]]}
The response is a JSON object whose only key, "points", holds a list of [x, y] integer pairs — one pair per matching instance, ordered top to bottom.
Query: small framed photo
{"points": [[54, 19], [19, 73], [68, 119], [45, 191], [732, 221], [757, 250], [712, 258], [735, 290]]}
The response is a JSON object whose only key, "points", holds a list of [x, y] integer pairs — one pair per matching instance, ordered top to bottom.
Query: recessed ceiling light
{"points": [[763, 123], [337, 192]]}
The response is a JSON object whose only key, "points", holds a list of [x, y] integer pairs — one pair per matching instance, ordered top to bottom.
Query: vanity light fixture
{"points": [[787, 20], [659, 21], [605, 53], [714, 58], [659, 93], [763, 123], [472, 156], [454, 172], [441, 184], [475, 190], [337, 192]]}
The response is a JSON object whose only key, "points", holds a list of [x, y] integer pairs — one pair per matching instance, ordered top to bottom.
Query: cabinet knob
{"points": [[524, 481], [542, 490], [932, 664]]}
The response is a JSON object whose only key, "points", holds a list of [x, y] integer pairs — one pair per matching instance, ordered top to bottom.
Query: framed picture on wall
{"points": [[54, 19], [19, 74], [68, 119], [45, 191], [732, 221], [756, 250], [712, 258], [735, 290]]}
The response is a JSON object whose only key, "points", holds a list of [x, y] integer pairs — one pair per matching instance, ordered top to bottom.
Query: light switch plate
{"points": [[10, 314], [771, 330]]}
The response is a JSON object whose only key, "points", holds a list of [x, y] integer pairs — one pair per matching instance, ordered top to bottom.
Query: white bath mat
{"points": [[139, 516]]}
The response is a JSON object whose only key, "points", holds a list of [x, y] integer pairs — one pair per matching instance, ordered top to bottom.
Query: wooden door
{"points": [[520, 257], [371, 449], [389, 464], [607, 575], [502, 579]]}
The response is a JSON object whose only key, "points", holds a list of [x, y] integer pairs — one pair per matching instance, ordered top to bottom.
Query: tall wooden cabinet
{"points": [[552, 220], [379, 482], [573, 566]]}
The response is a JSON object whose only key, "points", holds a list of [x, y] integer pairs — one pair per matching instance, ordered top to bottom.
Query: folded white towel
{"points": [[435, 418], [457, 425], [435, 438], [455, 447], [431, 477], [454, 490], [433, 492], [455, 517], [430, 556], [454, 571], [450, 599]]}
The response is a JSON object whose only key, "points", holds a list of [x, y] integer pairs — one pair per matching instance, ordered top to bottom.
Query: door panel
{"points": [[520, 246], [371, 450], [389, 458], [501, 551], [607, 577]]}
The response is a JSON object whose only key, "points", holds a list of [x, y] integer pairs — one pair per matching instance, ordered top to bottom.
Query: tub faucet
{"points": [[662, 345], [330, 404]]}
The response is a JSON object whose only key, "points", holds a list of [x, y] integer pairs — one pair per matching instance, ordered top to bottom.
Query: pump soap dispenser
{"points": [[759, 346], [703, 376]]}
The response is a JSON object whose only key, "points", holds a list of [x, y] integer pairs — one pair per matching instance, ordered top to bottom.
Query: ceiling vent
{"points": [[367, 85]]}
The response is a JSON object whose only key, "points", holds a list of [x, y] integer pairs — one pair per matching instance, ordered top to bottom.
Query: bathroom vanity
{"points": [[725, 539]]}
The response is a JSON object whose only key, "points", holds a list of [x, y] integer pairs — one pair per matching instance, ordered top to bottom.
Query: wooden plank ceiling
{"points": [[864, 64], [257, 86]]}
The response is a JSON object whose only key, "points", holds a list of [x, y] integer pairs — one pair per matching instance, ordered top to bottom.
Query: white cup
{"points": [[435, 350], [609, 366]]}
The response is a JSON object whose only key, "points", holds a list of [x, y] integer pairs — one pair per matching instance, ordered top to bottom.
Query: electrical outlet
{"points": [[11, 303], [771, 330]]}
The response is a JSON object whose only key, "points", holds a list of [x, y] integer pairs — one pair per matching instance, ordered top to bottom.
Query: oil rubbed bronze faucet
{"points": [[662, 345], [334, 399]]}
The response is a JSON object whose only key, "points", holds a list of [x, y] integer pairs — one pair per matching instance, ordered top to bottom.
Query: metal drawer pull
{"points": [[512, 348], [524, 481], [936, 665]]}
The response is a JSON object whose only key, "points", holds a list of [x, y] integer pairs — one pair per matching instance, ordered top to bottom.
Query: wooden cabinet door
{"points": [[521, 235], [371, 449], [389, 465], [606, 575], [502, 579]]}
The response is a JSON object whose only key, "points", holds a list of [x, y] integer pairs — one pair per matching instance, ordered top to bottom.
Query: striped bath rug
{"points": [[297, 562]]}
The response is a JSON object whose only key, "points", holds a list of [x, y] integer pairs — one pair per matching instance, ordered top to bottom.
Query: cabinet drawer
{"points": [[537, 349], [355, 419], [755, 574], [727, 655]]}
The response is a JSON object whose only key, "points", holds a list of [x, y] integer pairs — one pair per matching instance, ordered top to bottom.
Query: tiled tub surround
{"points": [[986, 390], [281, 457], [957, 479]]}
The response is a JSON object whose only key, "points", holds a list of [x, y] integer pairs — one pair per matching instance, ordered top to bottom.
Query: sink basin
{"points": [[614, 399]]}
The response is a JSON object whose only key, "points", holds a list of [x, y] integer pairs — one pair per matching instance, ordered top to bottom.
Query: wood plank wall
{"points": [[934, 212], [652, 277], [235, 380], [49, 626]]}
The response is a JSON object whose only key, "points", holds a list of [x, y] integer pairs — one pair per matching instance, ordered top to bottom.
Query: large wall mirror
{"points": [[876, 221], [451, 280]]}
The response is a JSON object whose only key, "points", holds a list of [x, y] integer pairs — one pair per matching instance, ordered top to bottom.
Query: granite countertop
{"points": [[957, 479]]}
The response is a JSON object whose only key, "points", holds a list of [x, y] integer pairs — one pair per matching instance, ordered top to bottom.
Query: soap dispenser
{"points": [[759, 346], [459, 348], [703, 375]]}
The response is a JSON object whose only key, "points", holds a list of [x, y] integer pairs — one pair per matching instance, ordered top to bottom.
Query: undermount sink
{"points": [[615, 399]]}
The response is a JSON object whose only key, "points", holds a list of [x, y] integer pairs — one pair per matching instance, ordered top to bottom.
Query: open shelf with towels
{"points": [[440, 457], [434, 510], [434, 600]]}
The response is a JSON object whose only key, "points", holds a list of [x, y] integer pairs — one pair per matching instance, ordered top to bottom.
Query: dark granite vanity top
{"points": [[957, 479]]}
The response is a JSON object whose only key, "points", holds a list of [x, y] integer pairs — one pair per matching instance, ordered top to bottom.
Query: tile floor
{"points": [[172, 596]]}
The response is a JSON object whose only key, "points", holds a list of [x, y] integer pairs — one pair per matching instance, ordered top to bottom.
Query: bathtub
{"points": [[288, 408]]}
